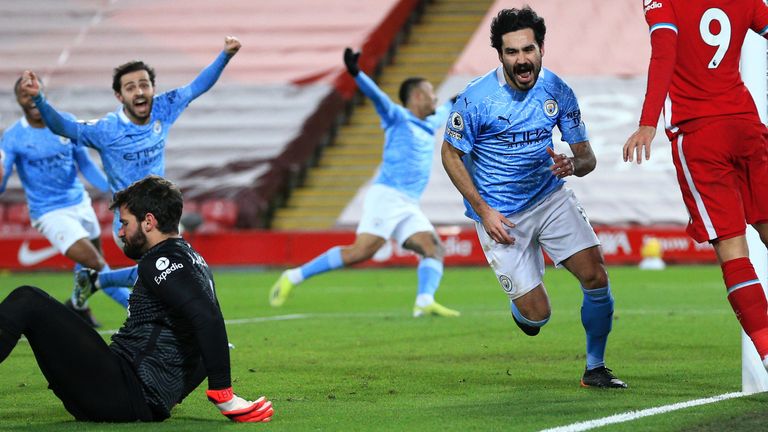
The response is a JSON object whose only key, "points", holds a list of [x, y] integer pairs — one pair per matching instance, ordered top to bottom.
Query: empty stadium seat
{"points": [[220, 211], [17, 213]]}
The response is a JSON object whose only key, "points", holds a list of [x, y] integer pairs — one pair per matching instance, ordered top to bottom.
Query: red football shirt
{"points": [[694, 69]]}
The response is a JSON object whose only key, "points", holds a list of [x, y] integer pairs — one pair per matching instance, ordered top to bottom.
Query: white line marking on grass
{"points": [[634, 415]]}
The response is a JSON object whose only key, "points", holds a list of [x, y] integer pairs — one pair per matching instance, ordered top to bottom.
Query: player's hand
{"points": [[231, 45], [350, 61], [30, 83], [639, 141], [563, 165], [495, 225], [238, 409]]}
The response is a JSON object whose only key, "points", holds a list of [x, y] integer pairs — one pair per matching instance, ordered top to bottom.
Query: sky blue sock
{"points": [[328, 260], [430, 271], [124, 277], [114, 283], [118, 294], [597, 318]]}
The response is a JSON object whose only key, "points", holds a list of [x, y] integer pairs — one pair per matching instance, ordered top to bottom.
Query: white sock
{"points": [[295, 276], [423, 300]]}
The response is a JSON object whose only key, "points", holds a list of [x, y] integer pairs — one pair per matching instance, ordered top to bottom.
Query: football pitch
{"points": [[344, 354]]}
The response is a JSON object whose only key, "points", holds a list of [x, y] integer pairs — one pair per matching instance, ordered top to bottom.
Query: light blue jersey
{"points": [[504, 134], [409, 141], [128, 151], [47, 166]]}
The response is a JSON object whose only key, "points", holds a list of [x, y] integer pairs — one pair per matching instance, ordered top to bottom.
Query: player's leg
{"points": [[723, 179], [376, 225], [64, 231], [570, 241], [364, 247], [519, 270], [430, 271], [114, 283], [531, 310], [93, 383]]}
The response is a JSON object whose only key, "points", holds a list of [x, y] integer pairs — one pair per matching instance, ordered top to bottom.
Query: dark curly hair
{"points": [[509, 20], [131, 66], [156, 195]]}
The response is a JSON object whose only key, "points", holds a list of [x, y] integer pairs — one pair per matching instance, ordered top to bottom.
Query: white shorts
{"points": [[389, 213], [557, 224], [63, 227]]}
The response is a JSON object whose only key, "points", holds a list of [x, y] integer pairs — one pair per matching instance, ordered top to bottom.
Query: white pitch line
{"points": [[634, 415]]}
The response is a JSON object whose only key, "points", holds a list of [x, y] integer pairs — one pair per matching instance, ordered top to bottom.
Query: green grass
{"points": [[355, 359]]}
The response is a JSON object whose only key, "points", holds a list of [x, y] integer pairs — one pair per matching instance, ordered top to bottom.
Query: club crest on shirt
{"points": [[550, 107], [457, 122], [157, 127], [63, 140], [506, 283]]}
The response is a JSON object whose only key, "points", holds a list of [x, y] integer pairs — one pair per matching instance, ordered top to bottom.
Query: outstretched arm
{"points": [[208, 76], [383, 104], [57, 123], [89, 169], [492, 220]]}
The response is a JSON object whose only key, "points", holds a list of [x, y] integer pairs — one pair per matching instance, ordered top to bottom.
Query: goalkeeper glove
{"points": [[350, 61], [238, 409]]}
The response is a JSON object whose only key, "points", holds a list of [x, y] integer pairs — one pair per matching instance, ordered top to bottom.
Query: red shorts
{"points": [[722, 169]]}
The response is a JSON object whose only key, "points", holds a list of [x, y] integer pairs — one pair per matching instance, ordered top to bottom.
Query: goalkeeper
{"points": [[174, 336]]}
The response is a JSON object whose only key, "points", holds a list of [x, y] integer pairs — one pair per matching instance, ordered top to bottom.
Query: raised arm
{"points": [[208, 76], [387, 109], [57, 123], [89, 169], [492, 220]]}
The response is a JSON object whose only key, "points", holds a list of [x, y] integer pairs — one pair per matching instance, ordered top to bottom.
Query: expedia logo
{"points": [[650, 4], [162, 263], [164, 275]]}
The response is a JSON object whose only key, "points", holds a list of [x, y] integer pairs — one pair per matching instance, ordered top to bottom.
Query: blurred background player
{"points": [[131, 140], [719, 144], [497, 151], [59, 206], [391, 206], [173, 338]]}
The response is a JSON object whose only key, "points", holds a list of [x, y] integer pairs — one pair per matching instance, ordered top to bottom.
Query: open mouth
{"points": [[524, 73], [141, 103]]}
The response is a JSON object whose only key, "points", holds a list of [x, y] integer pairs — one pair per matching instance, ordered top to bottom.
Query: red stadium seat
{"points": [[220, 211], [17, 213]]}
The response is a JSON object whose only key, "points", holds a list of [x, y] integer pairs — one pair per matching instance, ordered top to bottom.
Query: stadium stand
{"points": [[430, 48], [606, 66], [251, 138]]}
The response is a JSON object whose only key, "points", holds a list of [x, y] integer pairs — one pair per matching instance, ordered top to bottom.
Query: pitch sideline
{"points": [[634, 415]]}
